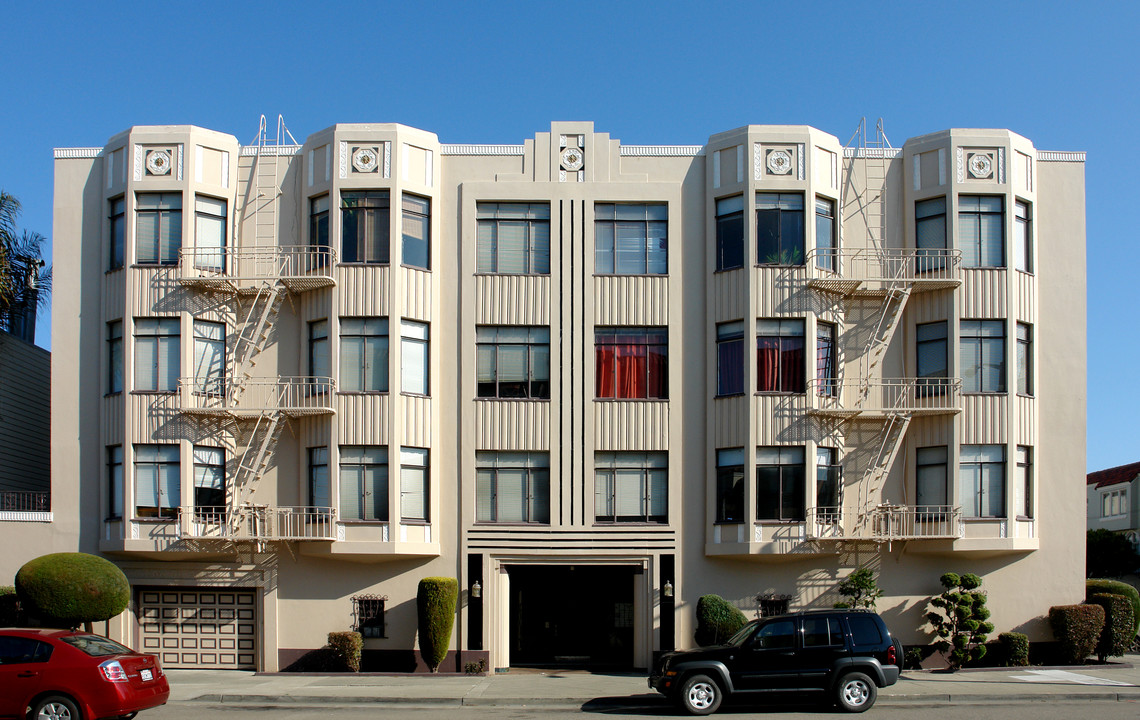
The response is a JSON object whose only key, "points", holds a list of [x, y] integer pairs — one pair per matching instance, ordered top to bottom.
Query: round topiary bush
{"points": [[1115, 587], [67, 589], [436, 599], [717, 620]]}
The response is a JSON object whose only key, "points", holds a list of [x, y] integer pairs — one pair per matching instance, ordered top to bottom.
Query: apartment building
{"points": [[592, 381], [1112, 501]]}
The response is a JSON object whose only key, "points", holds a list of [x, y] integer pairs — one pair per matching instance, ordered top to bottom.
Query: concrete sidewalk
{"points": [[552, 688]]}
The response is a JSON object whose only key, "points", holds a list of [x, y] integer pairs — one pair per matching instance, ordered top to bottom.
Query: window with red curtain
{"points": [[780, 356], [631, 362]]}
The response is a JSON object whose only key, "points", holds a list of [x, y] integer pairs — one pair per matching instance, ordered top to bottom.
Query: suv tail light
{"points": [[892, 656], [113, 671]]}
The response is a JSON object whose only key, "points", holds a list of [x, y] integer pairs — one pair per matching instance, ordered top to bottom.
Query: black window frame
{"points": [[979, 213], [377, 218], [788, 224], [117, 232], [730, 235], [534, 388], [730, 480], [790, 483]]}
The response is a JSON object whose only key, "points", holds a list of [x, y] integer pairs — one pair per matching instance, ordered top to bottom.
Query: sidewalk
{"points": [[552, 688]]}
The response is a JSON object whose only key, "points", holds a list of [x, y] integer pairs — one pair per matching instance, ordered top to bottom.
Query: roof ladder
{"points": [[863, 192]]}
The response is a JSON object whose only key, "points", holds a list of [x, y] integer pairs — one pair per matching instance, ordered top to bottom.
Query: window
{"points": [[416, 215], [319, 221], [364, 227], [780, 228], [118, 232], [730, 232], [209, 233], [980, 233], [930, 234], [158, 235], [1022, 237], [513, 238], [630, 239], [826, 248], [157, 351], [364, 354], [780, 355], [115, 356], [983, 356], [209, 357], [931, 357], [414, 358], [730, 358], [1024, 359], [512, 361], [631, 362], [319, 363], [826, 363], [931, 476], [209, 477], [982, 477], [828, 478], [114, 482], [363, 482], [1023, 482], [780, 483], [414, 484], [730, 485], [512, 487], [631, 487], [158, 489], [320, 494], [1114, 503], [772, 605], [369, 611], [864, 630], [822, 632], [775, 635], [16, 650]]}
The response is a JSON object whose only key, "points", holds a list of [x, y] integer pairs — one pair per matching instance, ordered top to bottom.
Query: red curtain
{"points": [[767, 363], [792, 364], [631, 365]]}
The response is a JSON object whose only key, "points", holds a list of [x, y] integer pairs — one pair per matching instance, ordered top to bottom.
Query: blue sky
{"points": [[1064, 75]]}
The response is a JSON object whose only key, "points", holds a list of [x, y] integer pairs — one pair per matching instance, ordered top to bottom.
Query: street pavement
{"points": [[1119, 681]]}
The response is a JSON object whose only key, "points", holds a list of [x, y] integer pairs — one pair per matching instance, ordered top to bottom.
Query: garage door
{"points": [[193, 628]]}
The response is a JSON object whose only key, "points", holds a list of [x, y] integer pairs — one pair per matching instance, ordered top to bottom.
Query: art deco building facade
{"points": [[591, 381]]}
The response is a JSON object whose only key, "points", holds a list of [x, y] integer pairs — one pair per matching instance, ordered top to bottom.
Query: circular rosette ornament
{"points": [[572, 159], [365, 160], [158, 162], [779, 162], [981, 166]]}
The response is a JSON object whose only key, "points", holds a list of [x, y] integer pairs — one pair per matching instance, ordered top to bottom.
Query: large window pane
{"points": [[416, 223], [364, 226], [158, 228], [780, 228], [730, 232], [209, 233], [981, 234], [1022, 237], [513, 238], [630, 239], [826, 256], [157, 354], [364, 354], [983, 355], [780, 356], [414, 357], [730, 358], [631, 362], [931, 478], [982, 480], [364, 482], [780, 483], [414, 484], [730, 485], [512, 487], [630, 487], [158, 491]]}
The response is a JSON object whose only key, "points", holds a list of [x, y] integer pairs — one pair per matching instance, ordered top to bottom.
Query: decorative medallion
{"points": [[365, 159], [572, 159], [158, 162], [779, 162], [981, 166]]}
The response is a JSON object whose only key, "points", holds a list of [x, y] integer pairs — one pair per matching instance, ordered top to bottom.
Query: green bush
{"points": [[1115, 587], [67, 589], [860, 589], [435, 605], [10, 615], [959, 618], [717, 620], [1077, 629], [1116, 637], [347, 647], [1015, 648]]}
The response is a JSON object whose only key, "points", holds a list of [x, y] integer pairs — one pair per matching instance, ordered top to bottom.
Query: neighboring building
{"points": [[292, 381], [25, 432], [1113, 501]]}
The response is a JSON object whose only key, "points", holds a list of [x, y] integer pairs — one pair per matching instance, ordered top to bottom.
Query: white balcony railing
{"points": [[308, 266], [848, 269], [304, 395], [930, 396], [825, 522], [900, 522], [257, 523]]}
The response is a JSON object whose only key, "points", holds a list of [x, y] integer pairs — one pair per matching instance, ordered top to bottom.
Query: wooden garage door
{"points": [[194, 628]]}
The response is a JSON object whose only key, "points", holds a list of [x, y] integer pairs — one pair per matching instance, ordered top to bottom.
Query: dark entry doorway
{"points": [[572, 616]]}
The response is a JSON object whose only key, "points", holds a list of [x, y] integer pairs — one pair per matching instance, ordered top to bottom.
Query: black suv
{"points": [[847, 654]]}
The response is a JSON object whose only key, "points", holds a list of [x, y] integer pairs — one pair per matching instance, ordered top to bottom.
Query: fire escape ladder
{"points": [[863, 192], [888, 317], [255, 331], [886, 450], [255, 459]]}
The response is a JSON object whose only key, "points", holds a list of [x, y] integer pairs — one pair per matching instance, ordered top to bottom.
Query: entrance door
{"points": [[572, 616]]}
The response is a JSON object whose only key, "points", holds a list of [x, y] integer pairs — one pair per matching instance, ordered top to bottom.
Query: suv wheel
{"points": [[855, 692], [699, 695]]}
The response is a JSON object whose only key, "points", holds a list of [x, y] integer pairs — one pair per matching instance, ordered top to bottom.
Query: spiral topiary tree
{"points": [[67, 589], [436, 599], [959, 619]]}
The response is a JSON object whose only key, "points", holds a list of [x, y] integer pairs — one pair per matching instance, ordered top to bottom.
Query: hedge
{"points": [[1116, 587], [72, 588], [436, 599], [10, 615], [717, 620], [1077, 629], [1116, 638], [347, 647], [1015, 648]]}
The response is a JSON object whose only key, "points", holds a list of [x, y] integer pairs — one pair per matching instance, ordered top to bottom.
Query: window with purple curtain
{"points": [[780, 356], [730, 358], [631, 362]]}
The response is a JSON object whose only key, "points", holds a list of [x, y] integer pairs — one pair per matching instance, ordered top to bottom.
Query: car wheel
{"points": [[856, 692], [699, 695], [56, 707]]}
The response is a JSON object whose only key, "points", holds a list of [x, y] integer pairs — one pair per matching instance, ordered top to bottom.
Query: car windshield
{"points": [[741, 634], [96, 646]]}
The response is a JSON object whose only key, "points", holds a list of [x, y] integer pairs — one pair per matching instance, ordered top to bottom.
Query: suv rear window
{"points": [[864, 630], [96, 646]]}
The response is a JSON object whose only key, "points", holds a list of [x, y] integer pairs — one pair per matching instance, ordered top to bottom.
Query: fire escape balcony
{"points": [[245, 270], [876, 272], [881, 397], [253, 398], [257, 523], [887, 523]]}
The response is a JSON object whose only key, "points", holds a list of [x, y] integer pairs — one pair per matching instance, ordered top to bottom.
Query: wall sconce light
{"points": [[476, 590], [667, 591]]}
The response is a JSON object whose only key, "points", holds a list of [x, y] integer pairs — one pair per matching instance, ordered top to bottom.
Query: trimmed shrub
{"points": [[1115, 587], [67, 589], [860, 589], [435, 605], [10, 614], [959, 619], [717, 620], [1077, 629], [1116, 637], [347, 647], [1014, 648]]}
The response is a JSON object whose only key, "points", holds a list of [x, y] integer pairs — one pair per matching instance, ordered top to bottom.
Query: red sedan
{"points": [[67, 675]]}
